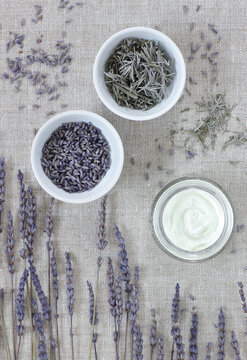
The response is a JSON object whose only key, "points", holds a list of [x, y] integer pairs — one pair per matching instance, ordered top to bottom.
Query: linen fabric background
{"points": [[213, 283]]}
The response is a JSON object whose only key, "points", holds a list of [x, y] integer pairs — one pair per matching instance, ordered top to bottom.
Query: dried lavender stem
{"points": [[13, 317], [126, 332], [5, 335], [71, 336], [95, 351]]}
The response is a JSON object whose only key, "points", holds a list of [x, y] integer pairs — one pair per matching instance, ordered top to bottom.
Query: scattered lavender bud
{"points": [[79, 3], [70, 7], [198, 8], [185, 9], [68, 21], [23, 22], [192, 26], [214, 30], [202, 36], [209, 45], [194, 47], [214, 54], [190, 58], [204, 73], [36, 106], [64, 106], [21, 107], [51, 113], [190, 154], [148, 165], [160, 167], [169, 171], [146, 176], [161, 184], [2, 188], [240, 228], [102, 242], [10, 243], [242, 296], [221, 336], [235, 346], [193, 349]]}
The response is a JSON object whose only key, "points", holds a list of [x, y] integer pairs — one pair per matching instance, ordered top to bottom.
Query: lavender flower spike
{"points": [[2, 188], [22, 213], [31, 223], [49, 226], [102, 242], [10, 243], [53, 264], [70, 296], [242, 296], [119, 303], [91, 305], [19, 306], [134, 306], [40, 329], [153, 336], [221, 336], [177, 338], [138, 343], [235, 346], [193, 350], [208, 351], [161, 352]]}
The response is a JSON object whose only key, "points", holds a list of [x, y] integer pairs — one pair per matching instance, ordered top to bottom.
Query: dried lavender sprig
{"points": [[2, 188], [22, 213], [31, 223], [49, 227], [102, 242], [10, 244], [53, 264], [126, 277], [242, 296], [70, 297], [112, 303], [119, 303], [134, 306], [20, 307], [46, 309], [91, 313], [40, 329], [5, 334], [153, 334], [221, 336], [177, 338], [138, 343], [235, 345], [193, 349], [161, 351], [208, 351]]}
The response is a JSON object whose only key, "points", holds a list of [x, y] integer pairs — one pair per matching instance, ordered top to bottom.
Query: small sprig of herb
{"points": [[138, 74], [238, 138], [2, 188], [22, 214], [53, 265], [242, 296], [70, 297], [92, 315], [221, 336], [177, 338], [235, 345], [193, 349]]}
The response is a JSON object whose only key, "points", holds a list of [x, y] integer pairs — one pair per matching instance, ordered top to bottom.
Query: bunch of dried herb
{"points": [[138, 74]]}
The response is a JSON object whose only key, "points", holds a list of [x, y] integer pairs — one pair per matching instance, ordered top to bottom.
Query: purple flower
{"points": [[2, 188], [22, 207], [31, 223], [49, 223], [102, 242], [10, 243], [53, 263], [70, 284], [242, 296], [119, 301], [20, 303], [91, 305], [134, 306], [40, 329], [153, 335], [221, 336], [177, 338], [138, 343], [235, 346], [193, 350], [208, 351], [161, 352]]}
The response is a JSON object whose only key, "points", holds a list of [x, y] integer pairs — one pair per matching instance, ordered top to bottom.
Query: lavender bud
{"points": [[53, 263], [134, 306]]}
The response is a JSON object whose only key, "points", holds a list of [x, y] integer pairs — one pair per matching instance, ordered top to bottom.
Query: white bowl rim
{"points": [[181, 83], [67, 198]]}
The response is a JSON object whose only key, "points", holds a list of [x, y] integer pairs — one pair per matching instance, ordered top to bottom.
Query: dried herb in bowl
{"points": [[139, 73], [76, 157]]}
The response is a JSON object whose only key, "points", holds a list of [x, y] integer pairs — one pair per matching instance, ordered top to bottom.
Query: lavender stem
{"points": [[70, 297], [5, 335]]}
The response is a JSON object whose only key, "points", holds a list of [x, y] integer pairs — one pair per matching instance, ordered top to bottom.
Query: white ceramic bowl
{"points": [[176, 88], [112, 175]]}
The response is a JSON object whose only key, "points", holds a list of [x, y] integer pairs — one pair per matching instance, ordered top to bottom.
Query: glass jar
{"points": [[174, 188]]}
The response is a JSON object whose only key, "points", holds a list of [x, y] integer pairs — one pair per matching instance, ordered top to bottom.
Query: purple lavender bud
{"points": [[2, 188], [102, 242], [10, 243], [70, 284], [242, 296], [20, 303], [91, 305], [46, 310], [153, 335], [221, 336], [138, 343], [235, 346], [193, 350], [161, 351], [208, 351]]}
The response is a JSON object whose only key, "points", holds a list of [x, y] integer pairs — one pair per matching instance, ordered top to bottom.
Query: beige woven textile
{"points": [[213, 283]]}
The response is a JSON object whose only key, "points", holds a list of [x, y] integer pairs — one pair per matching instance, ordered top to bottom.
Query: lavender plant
{"points": [[2, 188], [22, 214], [31, 223], [49, 227], [10, 244], [53, 265], [126, 277], [242, 296], [70, 297], [134, 305], [20, 308], [91, 313], [40, 330], [153, 335], [221, 336], [177, 338], [138, 343], [235, 345], [193, 350], [208, 351]]}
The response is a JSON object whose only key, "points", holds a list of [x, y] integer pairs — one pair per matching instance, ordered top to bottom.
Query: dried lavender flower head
{"points": [[2, 187], [49, 218], [102, 242], [10, 243], [123, 258], [69, 284], [20, 303], [91, 305]]}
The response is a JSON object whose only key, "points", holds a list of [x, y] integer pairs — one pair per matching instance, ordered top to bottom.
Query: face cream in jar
{"points": [[192, 219]]}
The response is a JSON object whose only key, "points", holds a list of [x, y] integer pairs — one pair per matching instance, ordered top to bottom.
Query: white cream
{"points": [[193, 219]]}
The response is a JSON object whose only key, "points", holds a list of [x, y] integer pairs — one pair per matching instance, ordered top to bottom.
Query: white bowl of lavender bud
{"points": [[139, 73], [77, 156]]}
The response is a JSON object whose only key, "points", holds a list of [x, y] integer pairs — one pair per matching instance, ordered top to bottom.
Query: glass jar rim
{"points": [[170, 190]]}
